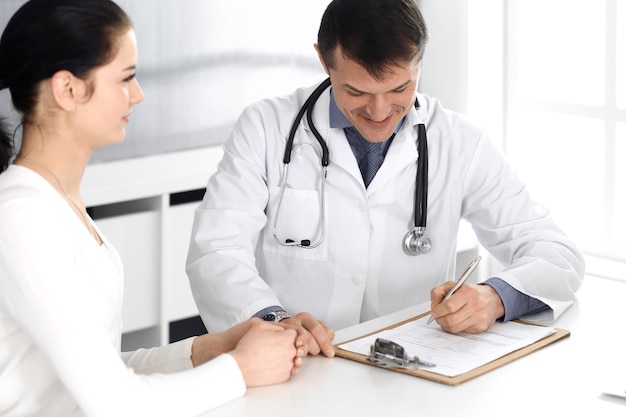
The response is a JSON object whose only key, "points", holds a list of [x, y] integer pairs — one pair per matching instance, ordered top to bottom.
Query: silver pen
{"points": [[468, 271]]}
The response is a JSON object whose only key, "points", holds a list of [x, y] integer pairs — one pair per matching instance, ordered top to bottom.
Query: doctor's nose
{"points": [[378, 108]]}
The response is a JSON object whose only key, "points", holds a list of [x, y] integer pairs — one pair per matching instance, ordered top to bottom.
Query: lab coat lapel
{"points": [[342, 155]]}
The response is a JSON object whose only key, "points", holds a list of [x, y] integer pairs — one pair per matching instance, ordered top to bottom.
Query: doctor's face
{"points": [[373, 106]]}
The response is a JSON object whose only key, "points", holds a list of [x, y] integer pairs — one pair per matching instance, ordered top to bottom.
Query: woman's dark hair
{"points": [[376, 34], [47, 36]]}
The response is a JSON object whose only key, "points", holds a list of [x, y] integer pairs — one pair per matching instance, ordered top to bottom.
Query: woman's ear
{"points": [[67, 89]]}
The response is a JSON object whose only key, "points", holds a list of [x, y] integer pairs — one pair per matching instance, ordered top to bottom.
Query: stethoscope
{"points": [[414, 241]]}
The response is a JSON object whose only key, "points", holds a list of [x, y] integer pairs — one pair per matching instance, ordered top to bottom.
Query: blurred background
{"points": [[545, 77]]}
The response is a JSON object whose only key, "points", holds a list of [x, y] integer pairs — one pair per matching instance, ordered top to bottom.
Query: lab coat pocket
{"points": [[300, 219]]}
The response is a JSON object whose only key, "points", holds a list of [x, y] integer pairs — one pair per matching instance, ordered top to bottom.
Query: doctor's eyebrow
{"points": [[354, 90]]}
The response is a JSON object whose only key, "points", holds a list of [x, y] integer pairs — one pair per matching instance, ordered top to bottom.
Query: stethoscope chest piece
{"points": [[415, 242]]}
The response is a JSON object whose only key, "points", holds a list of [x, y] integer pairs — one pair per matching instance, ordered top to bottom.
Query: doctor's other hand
{"points": [[473, 308], [314, 336], [267, 354]]}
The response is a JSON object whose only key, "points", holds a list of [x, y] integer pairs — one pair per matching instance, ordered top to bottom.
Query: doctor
{"points": [[322, 247]]}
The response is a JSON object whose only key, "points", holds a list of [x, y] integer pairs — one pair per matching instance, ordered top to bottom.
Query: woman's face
{"points": [[103, 117]]}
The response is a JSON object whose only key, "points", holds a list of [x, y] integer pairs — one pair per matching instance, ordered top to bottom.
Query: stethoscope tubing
{"points": [[308, 108], [421, 181], [414, 242]]}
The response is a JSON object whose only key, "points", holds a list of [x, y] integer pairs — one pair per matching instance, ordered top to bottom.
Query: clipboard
{"points": [[458, 379]]}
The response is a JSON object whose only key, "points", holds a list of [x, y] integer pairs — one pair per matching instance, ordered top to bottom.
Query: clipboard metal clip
{"points": [[390, 354]]}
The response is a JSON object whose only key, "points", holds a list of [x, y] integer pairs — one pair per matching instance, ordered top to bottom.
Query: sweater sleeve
{"points": [[164, 359]]}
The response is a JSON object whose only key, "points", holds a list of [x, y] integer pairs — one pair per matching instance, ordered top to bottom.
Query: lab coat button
{"points": [[364, 207], [356, 280]]}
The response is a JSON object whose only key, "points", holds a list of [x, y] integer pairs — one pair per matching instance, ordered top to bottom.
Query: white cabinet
{"points": [[145, 207], [137, 239], [178, 302]]}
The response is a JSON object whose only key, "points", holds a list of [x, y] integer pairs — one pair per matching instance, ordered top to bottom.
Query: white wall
{"points": [[464, 60], [445, 65]]}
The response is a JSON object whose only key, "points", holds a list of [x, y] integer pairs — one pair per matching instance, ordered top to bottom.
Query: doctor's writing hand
{"points": [[471, 309], [314, 336]]}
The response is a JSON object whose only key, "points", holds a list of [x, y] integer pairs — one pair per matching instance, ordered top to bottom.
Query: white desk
{"points": [[565, 378]]}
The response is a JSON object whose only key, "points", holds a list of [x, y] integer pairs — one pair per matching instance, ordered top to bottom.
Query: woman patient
{"points": [[70, 68]]}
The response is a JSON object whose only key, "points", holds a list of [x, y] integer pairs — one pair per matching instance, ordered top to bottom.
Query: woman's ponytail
{"points": [[6, 146]]}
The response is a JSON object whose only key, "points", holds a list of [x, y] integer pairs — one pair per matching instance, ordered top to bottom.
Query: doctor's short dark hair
{"points": [[376, 34], [47, 36]]}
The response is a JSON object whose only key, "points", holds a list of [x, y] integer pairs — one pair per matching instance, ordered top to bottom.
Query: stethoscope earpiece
{"points": [[305, 243]]}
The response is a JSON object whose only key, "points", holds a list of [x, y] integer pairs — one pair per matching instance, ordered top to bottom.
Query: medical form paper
{"points": [[454, 354]]}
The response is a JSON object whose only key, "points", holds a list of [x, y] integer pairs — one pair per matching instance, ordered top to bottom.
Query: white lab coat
{"points": [[360, 270]]}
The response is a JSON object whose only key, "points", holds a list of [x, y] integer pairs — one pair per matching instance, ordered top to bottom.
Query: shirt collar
{"points": [[337, 118]]}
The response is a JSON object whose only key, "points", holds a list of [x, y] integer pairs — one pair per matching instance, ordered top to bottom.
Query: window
{"points": [[548, 80], [565, 124]]}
